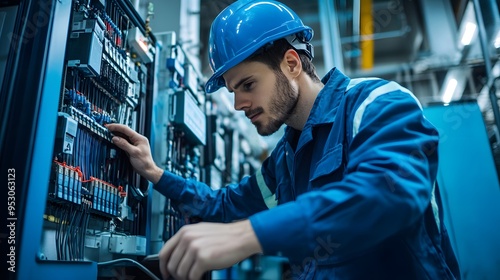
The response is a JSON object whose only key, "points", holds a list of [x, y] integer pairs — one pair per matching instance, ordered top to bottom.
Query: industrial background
{"points": [[76, 209]]}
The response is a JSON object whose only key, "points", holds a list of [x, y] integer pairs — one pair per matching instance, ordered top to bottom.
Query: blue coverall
{"points": [[355, 189]]}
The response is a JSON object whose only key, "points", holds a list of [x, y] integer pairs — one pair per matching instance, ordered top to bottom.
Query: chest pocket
{"points": [[330, 168], [284, 189]]}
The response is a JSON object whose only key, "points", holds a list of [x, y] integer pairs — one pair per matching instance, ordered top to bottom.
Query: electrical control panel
{"points": [[183, 119], [96, 208]]}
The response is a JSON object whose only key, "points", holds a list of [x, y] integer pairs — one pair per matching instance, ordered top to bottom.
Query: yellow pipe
{"points": [[366, 33]]}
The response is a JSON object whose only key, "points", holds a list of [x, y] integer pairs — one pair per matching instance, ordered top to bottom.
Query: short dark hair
{"points": [[272, 54]]}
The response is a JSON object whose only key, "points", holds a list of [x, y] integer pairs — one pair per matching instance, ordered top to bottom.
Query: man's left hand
{"points": [[201, 247]]}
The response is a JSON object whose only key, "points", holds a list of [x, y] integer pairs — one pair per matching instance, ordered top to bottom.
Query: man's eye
{"points": [[248, 86]]}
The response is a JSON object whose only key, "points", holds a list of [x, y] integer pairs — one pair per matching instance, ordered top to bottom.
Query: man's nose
{"points": [[241, 102]]}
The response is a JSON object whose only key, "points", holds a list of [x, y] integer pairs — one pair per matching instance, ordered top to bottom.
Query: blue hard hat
{"points": [[244, 27]]}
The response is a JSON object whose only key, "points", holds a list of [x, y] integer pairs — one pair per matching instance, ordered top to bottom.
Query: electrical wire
{"points": [[91, 148], [77, 149], [87, 155], [80, 156], [102, 162], [61, 227], [61, 230], [84, 231], [75, 233], [57, 235], [69, 235], [74, 236], [143, 268]]}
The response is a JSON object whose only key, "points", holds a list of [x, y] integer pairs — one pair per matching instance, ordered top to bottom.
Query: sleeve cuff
{"points": [[170, 185], [282, 231]]}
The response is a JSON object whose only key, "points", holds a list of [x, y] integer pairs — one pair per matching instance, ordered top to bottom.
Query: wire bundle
{"points": [[72, 225]]}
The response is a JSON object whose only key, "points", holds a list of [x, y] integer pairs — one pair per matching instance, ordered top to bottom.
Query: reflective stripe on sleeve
{"points": [[354, 82], [387, 88], [269, 197]]}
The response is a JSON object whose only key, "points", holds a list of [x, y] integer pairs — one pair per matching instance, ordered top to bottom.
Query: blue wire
{"points": [[77, 83], [77, 146], [95, 147], [87, 154], [82, 155], [85, 157], [91, 160]]}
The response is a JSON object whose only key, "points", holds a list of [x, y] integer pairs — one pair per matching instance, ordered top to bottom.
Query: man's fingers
{"points": [[128, 132], [125, 138], [123, 144], [179, 247], [201, 247], [165, 254], [176, 256], [163, 265], [185, 265], [196, 271]]}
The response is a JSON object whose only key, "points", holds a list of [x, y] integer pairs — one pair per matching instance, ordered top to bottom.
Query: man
{"points": [[353, 175]]}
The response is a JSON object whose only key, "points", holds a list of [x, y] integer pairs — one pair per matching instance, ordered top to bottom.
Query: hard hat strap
{"points": [[298, 43]]}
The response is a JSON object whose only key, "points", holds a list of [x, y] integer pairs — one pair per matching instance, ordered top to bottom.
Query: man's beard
{"points": [[283, 104]]}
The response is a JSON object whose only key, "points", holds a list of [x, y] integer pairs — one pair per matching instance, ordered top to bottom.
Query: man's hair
{"points": [[273, 53]]}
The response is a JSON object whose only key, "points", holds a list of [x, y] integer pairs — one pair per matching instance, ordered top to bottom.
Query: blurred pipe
{"points": [[135, 3], [356, 15], [366, 31], [330, 34], [377, 36], [483, 41], [487, 63]]}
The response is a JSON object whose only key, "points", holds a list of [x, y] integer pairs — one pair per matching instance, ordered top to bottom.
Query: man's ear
{"points": [[291, 63]]}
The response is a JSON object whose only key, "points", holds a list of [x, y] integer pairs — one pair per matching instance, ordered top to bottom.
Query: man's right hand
{"points": [[138, 149]]}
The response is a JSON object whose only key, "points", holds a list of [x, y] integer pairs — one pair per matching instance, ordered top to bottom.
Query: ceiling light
{"points": [[470, 30], [497, 40], [450, 90]]}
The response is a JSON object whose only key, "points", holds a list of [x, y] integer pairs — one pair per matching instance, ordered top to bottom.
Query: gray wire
{"points": [[143, 268]]}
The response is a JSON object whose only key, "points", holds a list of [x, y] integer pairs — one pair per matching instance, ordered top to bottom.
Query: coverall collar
{"points": [[324, 108]]}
